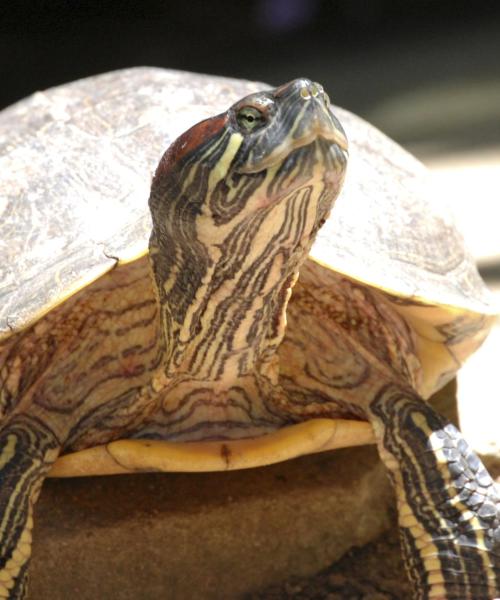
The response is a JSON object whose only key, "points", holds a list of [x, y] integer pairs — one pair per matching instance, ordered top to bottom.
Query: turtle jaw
{"points": [[334, 138]]}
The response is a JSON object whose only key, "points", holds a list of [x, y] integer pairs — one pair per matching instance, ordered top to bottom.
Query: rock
{"points": [[216, 535]]}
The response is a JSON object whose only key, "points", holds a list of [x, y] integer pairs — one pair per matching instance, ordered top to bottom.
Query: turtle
{"points": [[301, 290]]}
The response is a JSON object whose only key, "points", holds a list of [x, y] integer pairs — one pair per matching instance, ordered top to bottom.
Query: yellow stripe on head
{"points": [[222, 167]]}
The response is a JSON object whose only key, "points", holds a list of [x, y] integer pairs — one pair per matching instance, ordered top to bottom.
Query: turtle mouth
{"points": [[323, 125]]}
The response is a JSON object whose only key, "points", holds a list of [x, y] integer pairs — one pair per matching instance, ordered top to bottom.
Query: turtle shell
{"points": [[76, 164]]}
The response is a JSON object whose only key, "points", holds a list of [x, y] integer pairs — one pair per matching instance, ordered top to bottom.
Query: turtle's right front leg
{"points": [[28, 448], [448, 505]]}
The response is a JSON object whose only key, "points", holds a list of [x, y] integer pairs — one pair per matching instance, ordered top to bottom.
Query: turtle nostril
{"points": [[315, 89], [310, 90], [305, 93]]}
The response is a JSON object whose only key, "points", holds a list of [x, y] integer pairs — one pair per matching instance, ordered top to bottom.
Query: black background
{"points": [[364, 52]]}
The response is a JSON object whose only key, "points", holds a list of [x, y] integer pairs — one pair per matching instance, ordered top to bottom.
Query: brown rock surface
{"points": [[205, 536]]}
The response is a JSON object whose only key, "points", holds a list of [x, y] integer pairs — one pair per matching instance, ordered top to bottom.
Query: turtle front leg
{"points": [[27, 449], [448, 505]]}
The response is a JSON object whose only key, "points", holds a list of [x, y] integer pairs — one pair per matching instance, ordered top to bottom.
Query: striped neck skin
{"points": [[235, 210]]}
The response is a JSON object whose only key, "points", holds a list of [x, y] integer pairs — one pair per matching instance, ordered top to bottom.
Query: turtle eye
{"points": [[250, 118]]}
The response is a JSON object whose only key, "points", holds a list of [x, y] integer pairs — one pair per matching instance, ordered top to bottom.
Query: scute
{"points": [[75, 169]]}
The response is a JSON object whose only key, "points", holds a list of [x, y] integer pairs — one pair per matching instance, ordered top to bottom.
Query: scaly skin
{"points": [[448, 505]]}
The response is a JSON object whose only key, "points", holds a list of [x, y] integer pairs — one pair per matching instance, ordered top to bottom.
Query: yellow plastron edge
{"points": [[128, 456]]}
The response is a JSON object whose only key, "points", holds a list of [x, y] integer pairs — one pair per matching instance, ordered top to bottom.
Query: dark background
{"points": [[426, 71]]}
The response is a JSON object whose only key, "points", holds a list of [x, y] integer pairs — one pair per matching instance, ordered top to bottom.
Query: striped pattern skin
{"points": [[235, 213], [83, 367], [27, 449], [448, 505]]}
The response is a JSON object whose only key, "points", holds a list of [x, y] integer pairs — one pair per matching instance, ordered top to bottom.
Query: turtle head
{"points": [[264, 146], [236, 202]]}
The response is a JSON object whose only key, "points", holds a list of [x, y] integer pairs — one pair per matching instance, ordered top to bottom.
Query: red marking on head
{"points": [[190, 140]]}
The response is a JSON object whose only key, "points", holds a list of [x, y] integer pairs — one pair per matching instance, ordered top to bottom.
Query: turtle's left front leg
{"points": [[448, 505]]}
